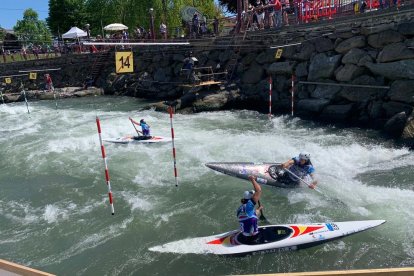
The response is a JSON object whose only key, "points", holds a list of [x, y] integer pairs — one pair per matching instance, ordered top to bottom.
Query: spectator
{"points": [[363, 6], [259, 12], [269, 13], [285, 13], [278, 14], [195, 25], [216, 25], [203, 29], [163, 30], [3, 53], [24, 53]]}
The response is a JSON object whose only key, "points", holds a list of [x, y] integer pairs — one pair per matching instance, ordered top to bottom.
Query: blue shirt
{"points": [[300, 170], [246, 211]]}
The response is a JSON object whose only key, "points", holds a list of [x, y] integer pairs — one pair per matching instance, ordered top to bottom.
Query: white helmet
{"points": [[304, 156], [248, 194]]}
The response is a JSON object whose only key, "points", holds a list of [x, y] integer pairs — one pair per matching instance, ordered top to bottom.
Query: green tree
{"points": [[65, 14], [31, 29], [2, 33]]}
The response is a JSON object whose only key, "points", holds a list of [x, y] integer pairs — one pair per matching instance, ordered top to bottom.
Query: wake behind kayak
{"points": [[271, 238]]}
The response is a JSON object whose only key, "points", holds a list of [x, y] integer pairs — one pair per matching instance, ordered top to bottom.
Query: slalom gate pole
{"points": [[293, 93], [54, 95], [270, 97], [25, 99], [173, 145], [108, 182]]}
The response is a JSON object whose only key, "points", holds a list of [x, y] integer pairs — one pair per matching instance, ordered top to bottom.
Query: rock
{"points": [[406, 28], [377, 29], [381, 39], [350, 43], [409, 43], [323, 44], [306, 50], [288, 52], [394, 52], [214, 55], [225, 56], [267, 56], [353, 56], [156, 58], [249, 58], [365, 60], [323, 66], [280, 68], [301, 69], [403, 69], [349, 72], [160, 75], [253, 75], [281, 83], [326, 91], [402, 91], [356, 94], [212, 102], [312, 105], [392, 108], [376, 111], [337, 113], [395, 125], [408, 133]]}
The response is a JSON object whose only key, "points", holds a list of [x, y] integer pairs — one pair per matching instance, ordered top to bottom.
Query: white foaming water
{"points": [[53, 178]]}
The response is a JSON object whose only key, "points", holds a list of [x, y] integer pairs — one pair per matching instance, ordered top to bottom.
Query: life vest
{"points": [[300, 170], [242, 213], [247, 219]]}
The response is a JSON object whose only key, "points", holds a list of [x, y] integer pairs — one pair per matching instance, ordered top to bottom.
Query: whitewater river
{"points": [[55, 216]]}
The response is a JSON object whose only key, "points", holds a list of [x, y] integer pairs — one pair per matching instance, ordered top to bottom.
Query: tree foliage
{"points": [[230, 5], [64, 14], [31, 29]]}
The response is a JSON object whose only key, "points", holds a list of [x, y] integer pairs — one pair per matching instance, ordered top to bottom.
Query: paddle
{"points": [[133, 124], [303, 181], [262, 217]]}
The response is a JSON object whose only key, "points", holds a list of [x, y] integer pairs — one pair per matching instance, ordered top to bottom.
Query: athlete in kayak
{"points": [[145, 130], [299, 167], [247, 214]]}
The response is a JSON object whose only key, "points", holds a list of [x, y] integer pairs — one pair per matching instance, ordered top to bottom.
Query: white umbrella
{"points": [[115, 27], [74, 32]]}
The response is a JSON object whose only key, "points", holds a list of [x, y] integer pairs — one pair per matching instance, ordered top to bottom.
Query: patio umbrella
{"points": [[115, 27]]}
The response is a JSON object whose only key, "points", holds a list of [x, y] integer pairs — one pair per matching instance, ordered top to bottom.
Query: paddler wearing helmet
{"points": [[300, 168], [247, 214]]}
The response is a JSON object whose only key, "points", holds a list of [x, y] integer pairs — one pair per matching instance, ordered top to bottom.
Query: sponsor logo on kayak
{"points": [[332, 226], [303, 229], [275, 250]]}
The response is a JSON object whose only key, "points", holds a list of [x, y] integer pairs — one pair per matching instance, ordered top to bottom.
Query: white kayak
{"points": [[138, 139], [266, 173], [271, 238]]}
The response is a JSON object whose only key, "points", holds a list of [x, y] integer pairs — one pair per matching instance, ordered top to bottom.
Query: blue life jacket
{"points": [[145, 129], [300, 170], [246, 214]]}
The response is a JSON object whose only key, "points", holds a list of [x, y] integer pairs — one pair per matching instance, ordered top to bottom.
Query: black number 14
{"points": [[124, 63]]}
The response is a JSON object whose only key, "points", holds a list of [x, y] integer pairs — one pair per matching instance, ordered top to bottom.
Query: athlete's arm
{"points": [[287, 164], [314, 181], [257, 189]]}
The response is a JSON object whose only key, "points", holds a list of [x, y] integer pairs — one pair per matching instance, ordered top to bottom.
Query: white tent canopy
{"points": [[115, 27], [74, 32]]}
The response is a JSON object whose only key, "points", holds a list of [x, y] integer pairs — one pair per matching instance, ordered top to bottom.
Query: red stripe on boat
{"points": [[296, 229], [311, 229], [219, 241]]}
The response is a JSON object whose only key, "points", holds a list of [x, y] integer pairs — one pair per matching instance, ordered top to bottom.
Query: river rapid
{"points": [[55, 215]]}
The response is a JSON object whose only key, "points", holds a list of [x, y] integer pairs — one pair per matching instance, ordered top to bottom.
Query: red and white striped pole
{"points": [[293, 93], [270, 97], [173, 146], [108, 182]]}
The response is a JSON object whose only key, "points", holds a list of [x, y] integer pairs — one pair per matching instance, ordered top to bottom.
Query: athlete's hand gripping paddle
{"points": [[133, 124], [311, 186]]}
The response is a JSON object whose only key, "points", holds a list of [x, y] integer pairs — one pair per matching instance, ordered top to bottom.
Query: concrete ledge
{"points": [[12, 269], [406, 271]]}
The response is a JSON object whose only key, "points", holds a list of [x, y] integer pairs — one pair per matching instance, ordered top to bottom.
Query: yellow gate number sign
{"points": [[278, 53], [124, 62], [32, 75], [7, 80]]}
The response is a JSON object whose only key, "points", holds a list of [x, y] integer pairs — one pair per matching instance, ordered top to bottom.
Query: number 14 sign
{"points": [[124, 62]]}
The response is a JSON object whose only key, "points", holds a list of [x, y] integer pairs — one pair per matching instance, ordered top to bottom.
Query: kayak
{"points": [[141, 139], [266, 173], [271, 239]]}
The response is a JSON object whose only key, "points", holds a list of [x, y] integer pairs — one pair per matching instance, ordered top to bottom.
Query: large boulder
{"points": [[406, 28], [368, 30], [379, 40], [350, 43], [323, 44], [306, 50], [394, 52], [225, 56], [353, 56], [266, 57], [249, 58], [323, 66], [281, 68], [301, 69], [403, 69], [349, 72], [161, 75], [253, 75], [326, 91], [402, 91], [359, 94], [212, 102], [312, 105], [392, 108], [376, 111], [337, 113], [395, 125], [408, 133]]}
